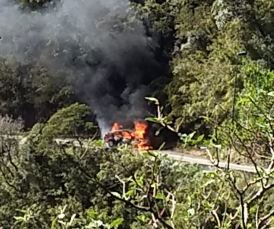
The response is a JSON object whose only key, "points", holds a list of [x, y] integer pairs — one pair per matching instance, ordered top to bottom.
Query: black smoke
{"points": [[101, 46]]}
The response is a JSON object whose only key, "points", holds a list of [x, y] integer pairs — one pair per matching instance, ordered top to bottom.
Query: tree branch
{"points": [[264, 218]]}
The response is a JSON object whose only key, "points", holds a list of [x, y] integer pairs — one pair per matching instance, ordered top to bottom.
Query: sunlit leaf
{"points": [[271, 93], [152, 100], [155, 120], [200, 138], [130, 193], [116, 194], [160, 196], [191, 211], [142, 218], [54, 222], [116, 223]]}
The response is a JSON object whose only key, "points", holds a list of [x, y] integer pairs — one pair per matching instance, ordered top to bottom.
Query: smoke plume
{"points": [[101, 46]]}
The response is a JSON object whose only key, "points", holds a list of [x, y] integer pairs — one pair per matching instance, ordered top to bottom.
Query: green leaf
{"points": [[271, 93], [243, 100], [156, 101], [155, 120], [192, 134], [200, 138], [161, 146], [216, 146], [152, 153], [146, 154], [140, 181], [130, 193], [116, 194], [160, 196], [168, 197], [253, 209], [22, 211], [191, 211], [92, 213], [142, 218], [18, 219], [72, 219], [54, 222], [116, 223]]}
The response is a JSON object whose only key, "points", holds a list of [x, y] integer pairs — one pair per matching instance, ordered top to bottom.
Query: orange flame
{"points": [[116, 127], [138, 134]]}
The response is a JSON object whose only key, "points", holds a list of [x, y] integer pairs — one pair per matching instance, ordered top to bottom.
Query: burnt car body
{"points": [[155, 134], [117, 137]]}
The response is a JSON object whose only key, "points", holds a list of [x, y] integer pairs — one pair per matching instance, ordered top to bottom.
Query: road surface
{"points": [[179, 156], [182, 157], [203, 161]]}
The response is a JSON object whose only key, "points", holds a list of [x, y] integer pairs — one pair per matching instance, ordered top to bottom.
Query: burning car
{"points": [[117, 137], [137, 137]]}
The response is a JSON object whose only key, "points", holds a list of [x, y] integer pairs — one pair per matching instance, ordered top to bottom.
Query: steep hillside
{"points": [[202, 39]]}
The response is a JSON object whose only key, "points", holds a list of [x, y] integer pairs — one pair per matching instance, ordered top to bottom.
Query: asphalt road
{"points": [[172, 154], [185, 158], [203, 161]]}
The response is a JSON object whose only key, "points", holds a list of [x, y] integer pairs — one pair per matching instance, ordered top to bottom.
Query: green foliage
{"points": [[161, 14], [203, 39], [203, 84], [31, 92], [255, 104], [253, 114], [160, 118], [74, 120], [248, 135], [188, 140], [44, 185], [77, 187], [109, 188]]}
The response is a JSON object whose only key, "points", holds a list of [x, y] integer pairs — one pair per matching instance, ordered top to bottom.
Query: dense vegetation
{"points": [[198, 39], [218, 81]]}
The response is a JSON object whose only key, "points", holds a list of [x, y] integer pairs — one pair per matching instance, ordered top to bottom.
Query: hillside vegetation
{"points": [[202, 39], [199, 40], [215, 88]]}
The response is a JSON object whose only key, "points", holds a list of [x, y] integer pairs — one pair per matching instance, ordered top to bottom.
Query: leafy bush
{"points": [[75, 120]]}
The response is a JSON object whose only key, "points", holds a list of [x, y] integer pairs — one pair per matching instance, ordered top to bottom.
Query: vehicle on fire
{"points": [[117, 137]]}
